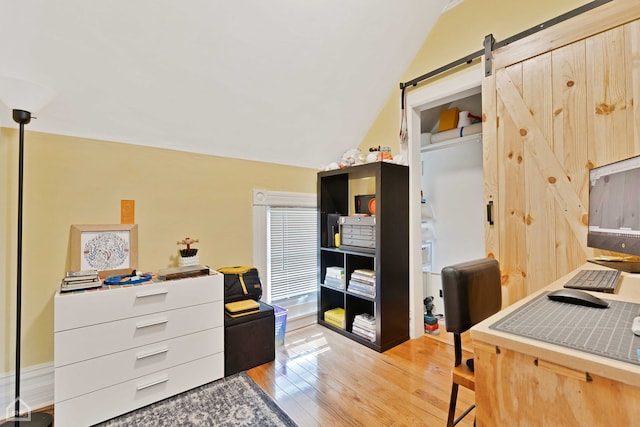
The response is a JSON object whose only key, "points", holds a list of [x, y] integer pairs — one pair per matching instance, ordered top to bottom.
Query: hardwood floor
{"points": [[321, 378]]}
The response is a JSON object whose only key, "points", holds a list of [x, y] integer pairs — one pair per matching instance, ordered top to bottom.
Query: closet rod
{"points": [[495, 45]]}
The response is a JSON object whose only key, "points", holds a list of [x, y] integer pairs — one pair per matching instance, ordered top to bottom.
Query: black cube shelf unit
{"points": [[390, 260]]}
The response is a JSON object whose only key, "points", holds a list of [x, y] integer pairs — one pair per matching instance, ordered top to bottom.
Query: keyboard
{"points": [[594, 280]]}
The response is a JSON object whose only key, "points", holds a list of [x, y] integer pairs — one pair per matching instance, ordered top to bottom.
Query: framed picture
{"points": [[110, 249]]}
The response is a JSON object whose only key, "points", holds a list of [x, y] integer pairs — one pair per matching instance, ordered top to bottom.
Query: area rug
{"points": [[235, 401]]}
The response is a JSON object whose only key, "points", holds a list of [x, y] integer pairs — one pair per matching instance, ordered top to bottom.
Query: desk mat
{"points": [[604, 332]]}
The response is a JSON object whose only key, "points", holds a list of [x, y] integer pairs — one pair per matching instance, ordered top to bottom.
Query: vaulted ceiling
{"points": [[283, 81]]}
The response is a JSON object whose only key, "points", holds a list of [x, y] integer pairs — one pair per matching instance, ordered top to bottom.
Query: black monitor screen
{"points": [[614, 207]]}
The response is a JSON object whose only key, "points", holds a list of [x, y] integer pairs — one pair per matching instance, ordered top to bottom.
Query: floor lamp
{"points": [[22, 117]]}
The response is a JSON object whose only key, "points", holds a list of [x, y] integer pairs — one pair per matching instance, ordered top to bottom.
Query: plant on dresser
{"points": [[364, 260], [118, 348]]}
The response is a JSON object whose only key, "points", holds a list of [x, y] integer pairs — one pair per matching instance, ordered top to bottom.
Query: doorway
{"points": [[420, 103]]}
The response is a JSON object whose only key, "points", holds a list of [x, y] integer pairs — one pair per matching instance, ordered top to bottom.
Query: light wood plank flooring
{"points": [[321, 378]]}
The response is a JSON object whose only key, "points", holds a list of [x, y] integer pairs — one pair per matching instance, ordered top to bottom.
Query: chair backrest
{"points": [[472, 292]]}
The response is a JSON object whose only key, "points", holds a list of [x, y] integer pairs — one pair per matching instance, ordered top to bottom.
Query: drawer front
{"points": [[358, 220], [365, 232], [364, 243], [98, 306], [80, 344], [94, 374], [119, 399]]}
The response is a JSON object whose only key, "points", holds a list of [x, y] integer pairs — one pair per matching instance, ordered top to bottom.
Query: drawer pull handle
{"points": [[152, 293], [151, 323], [152, 353], [151, 384]]}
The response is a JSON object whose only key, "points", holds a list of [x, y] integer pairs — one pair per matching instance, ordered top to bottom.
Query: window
{"points": [[285, 244], [291, 252]]}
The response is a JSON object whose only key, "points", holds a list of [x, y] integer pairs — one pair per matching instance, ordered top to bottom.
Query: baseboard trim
{"points": [[301, 321], [36, 388]]}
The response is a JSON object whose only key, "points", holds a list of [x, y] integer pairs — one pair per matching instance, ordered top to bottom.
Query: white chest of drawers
{"points": [[123, 348]]}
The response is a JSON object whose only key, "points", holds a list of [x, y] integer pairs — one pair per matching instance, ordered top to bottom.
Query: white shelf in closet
{"points": [[468, 139]]}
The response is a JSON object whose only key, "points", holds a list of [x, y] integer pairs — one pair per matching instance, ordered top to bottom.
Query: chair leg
{"points": [[452, 405], [464, 414]]}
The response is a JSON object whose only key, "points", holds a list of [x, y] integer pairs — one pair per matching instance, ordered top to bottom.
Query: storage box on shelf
{"points": [[378, 269], [134, 345]]}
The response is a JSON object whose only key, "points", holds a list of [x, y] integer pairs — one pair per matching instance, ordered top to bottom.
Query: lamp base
{"points": [[38, 419]]}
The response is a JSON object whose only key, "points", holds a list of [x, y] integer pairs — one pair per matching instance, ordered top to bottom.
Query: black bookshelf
{"points": [[390, 260]]}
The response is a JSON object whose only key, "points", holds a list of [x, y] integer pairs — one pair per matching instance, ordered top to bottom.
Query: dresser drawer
{"points": [[104, 305], [98, 340], [101, 372], [119, 399]]}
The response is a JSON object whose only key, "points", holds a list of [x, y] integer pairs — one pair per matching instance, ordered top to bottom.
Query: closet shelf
{"points": [[452, 142]]}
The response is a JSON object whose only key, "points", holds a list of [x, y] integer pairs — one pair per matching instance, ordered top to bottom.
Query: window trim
{"points": [[262, 199]]}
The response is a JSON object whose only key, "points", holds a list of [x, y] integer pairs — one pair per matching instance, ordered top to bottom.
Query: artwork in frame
{"points": [[112, 249]]}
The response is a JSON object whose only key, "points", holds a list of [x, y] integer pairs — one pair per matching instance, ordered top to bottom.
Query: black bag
{"points": [[241, 283]]}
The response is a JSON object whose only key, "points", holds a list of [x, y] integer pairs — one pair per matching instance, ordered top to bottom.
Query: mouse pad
{"points": [[604, 332]]}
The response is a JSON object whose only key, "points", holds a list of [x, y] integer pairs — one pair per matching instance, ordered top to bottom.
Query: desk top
{"points": [[628, 290]]}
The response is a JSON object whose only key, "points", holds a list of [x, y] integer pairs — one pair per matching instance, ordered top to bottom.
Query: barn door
{"points": [[555, 111]]}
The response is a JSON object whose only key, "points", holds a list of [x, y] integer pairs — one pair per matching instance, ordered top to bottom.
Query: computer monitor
{"points": [[614, 209]]}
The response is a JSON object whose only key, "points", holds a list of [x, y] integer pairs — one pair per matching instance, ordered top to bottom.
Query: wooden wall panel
{"points": [[632, 70], [606, 97], [558, 114], [570, 142], [540, 156], [490, 164], [511, 182], [539, 201]]}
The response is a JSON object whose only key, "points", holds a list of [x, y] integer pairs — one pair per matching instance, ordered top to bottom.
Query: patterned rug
{"points": [[235, 401]]}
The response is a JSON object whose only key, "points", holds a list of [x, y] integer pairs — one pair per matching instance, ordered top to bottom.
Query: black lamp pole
{"points": [[35, 418]]}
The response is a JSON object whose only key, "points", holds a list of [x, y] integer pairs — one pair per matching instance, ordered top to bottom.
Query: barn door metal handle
{"points": [[490, 212]]}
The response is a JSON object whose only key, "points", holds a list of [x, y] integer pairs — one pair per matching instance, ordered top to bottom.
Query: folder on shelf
{"points": [[336, 317]]}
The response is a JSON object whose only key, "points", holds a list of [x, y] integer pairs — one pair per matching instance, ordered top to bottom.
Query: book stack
{"points": [[334, 277], [75, 280], [363, 282], [335, 316], [364, 325]]}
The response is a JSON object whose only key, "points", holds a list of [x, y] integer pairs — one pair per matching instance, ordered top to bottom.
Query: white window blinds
{"points": [[292, 252]]}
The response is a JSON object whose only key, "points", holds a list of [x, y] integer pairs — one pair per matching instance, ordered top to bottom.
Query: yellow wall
{"points": [[458, 33], [75, 181], [81, 181]]}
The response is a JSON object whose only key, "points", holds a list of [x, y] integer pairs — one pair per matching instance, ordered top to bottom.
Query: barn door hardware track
{"points": [[490, 44]]}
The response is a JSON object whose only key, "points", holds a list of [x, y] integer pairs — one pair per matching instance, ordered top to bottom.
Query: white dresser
{"points": [[121, 348]]}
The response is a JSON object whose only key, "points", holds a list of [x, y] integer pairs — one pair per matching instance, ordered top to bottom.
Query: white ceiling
{"points": [[284, 81]]}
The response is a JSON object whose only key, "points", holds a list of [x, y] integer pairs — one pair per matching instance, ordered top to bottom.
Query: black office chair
{"points": [[472, 292]]}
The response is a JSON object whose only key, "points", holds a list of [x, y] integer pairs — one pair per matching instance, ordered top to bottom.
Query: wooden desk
{"points": [[526, 382]]}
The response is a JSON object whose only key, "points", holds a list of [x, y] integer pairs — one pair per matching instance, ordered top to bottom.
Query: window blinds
{"points": [[292, 252]]}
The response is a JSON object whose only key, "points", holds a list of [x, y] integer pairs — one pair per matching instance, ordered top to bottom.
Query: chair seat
{"points": [[462, 375]]}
